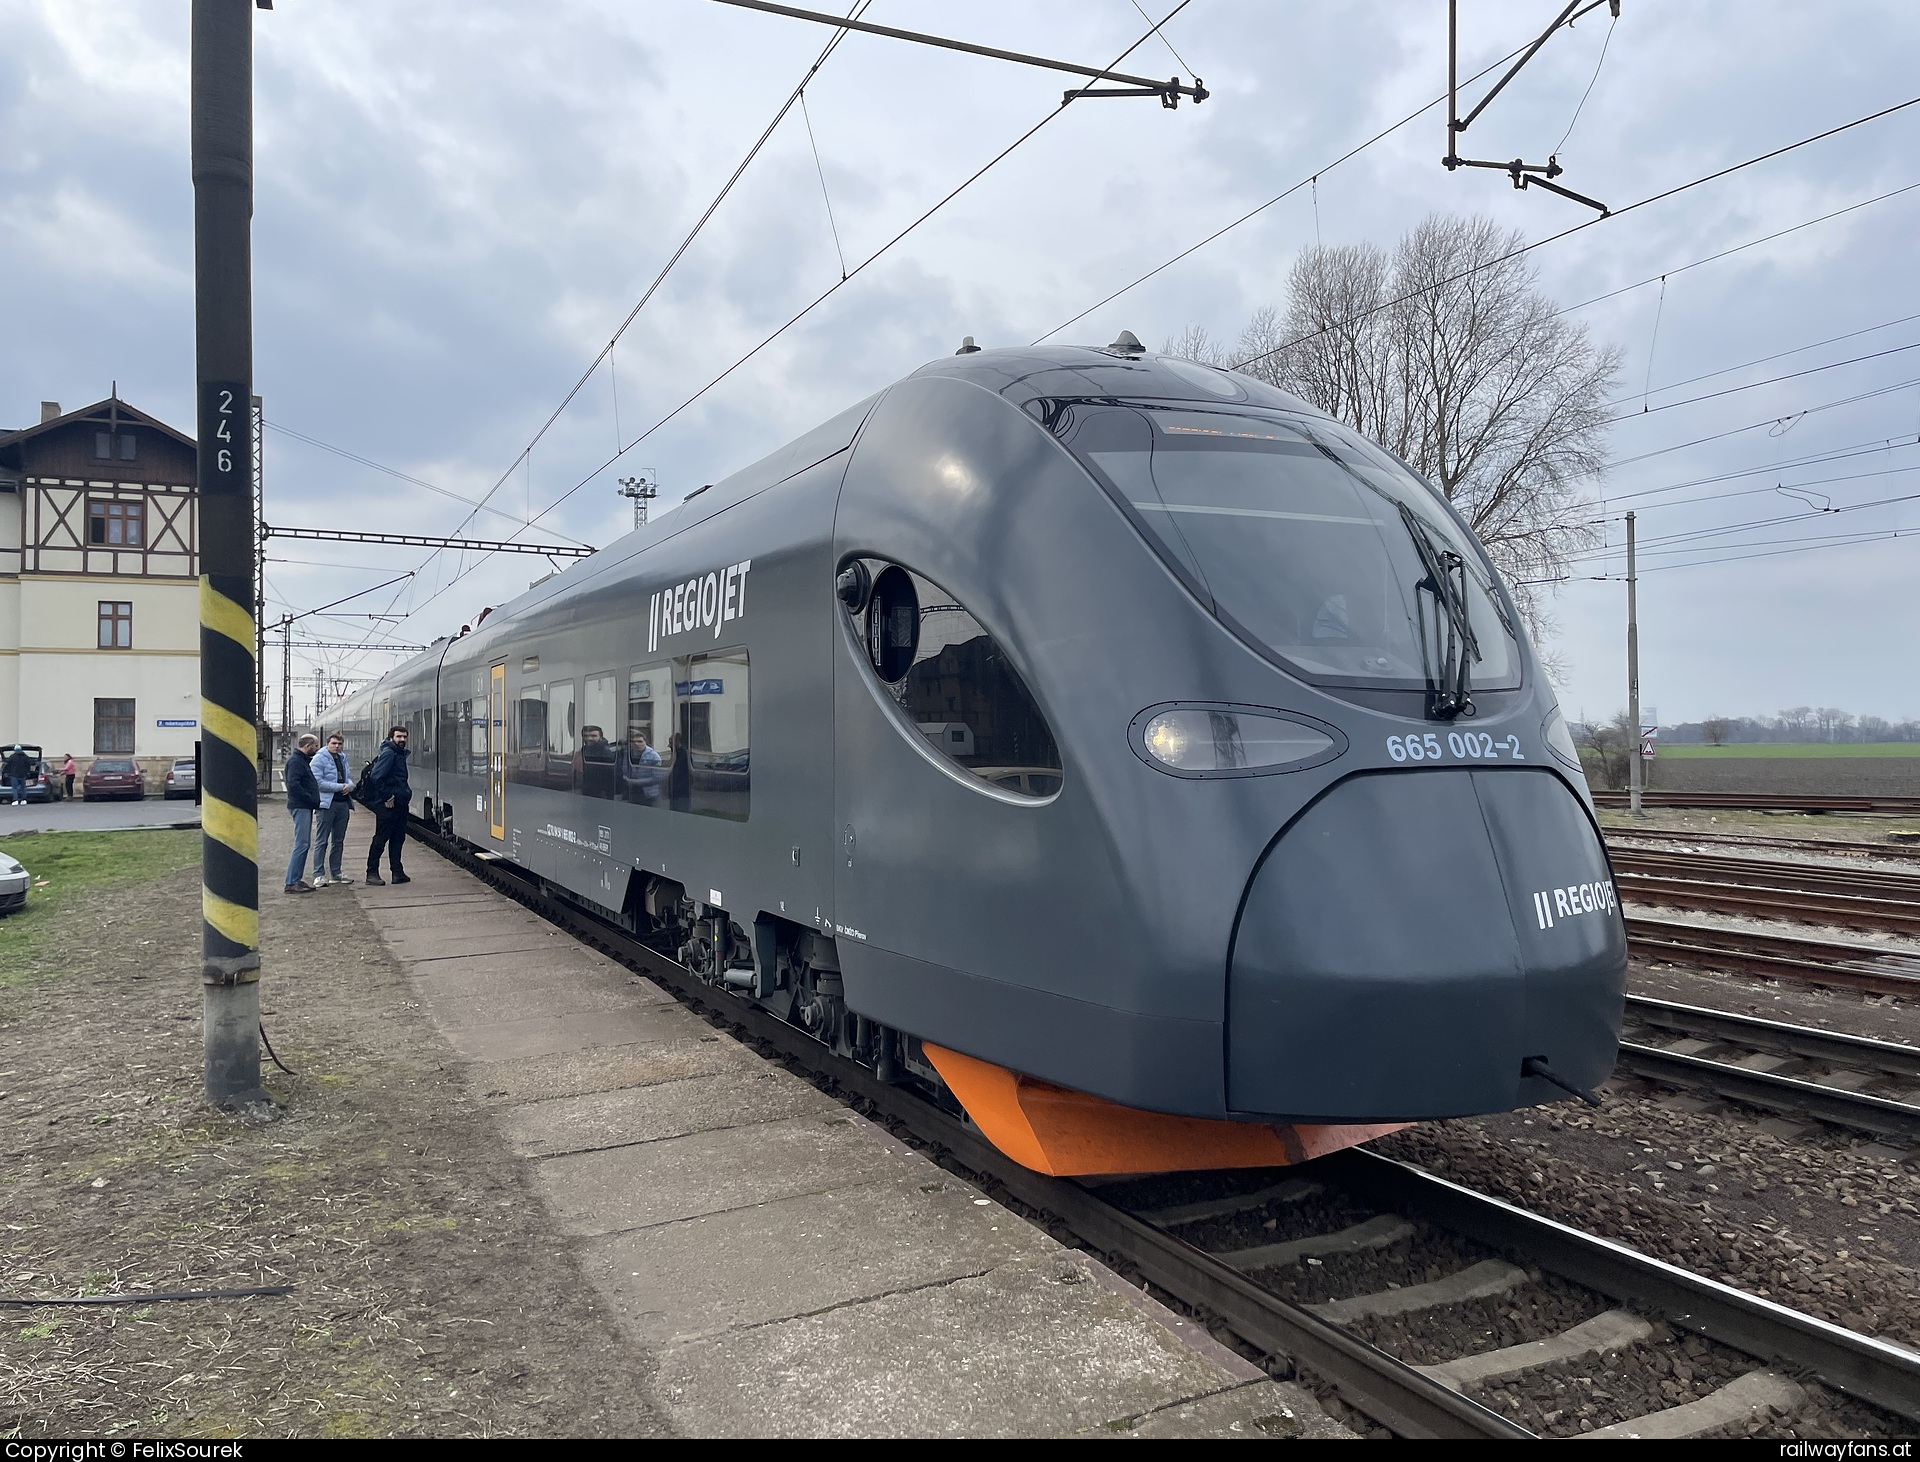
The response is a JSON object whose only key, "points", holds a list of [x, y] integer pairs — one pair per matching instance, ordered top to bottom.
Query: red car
{"points": [[113, 777]]}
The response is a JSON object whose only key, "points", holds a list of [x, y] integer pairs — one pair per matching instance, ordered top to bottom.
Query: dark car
{"points": [[113, 777], [44, 785]]}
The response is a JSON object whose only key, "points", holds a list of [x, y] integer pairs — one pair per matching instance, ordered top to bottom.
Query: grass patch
{"points": [[1790, 750], [77, 866]]}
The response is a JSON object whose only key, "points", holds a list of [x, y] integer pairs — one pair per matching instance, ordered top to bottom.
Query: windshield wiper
{"points": [[1450, 692]]}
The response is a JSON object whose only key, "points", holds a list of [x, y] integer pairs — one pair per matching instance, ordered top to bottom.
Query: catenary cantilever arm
{"points": [[1153, 87]]}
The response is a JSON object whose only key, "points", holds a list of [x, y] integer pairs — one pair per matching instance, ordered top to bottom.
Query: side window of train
{"points": [[953, 684], [599, 725], [529, 744], [640, 765], [708, 768]]}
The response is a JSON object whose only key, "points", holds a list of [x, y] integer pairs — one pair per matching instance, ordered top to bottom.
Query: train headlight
{"points": [[1192, 740], [1560, 740]]}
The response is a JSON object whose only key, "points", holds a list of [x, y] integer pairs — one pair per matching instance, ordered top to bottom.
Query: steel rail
{"points": [[1763, 801], [1828, 846], [1774, 873], [1764, 902], [1777, 956], [1891, 1058], [1859, 1111], [1871, 1369], [1373, 1382]]}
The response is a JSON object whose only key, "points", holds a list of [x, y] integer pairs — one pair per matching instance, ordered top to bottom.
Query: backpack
{"points": [[363, 790]]}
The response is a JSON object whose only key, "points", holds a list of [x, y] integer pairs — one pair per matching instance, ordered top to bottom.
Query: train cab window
{"points": [[1306, 540], [951, 681], [529, 744], [598, 756], [706, 759], [640, 766]]}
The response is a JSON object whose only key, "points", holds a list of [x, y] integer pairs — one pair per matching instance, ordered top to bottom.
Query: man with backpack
{"points": [[19, 768], [384, 789]]}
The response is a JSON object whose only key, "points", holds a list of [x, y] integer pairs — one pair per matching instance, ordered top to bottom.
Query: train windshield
{"points": [[1294, 530]]}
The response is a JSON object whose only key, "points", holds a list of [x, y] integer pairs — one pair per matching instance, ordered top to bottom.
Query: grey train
{"points": [[1119, 747]]}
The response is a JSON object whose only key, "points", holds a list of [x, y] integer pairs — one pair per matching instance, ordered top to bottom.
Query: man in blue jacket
{"points": [[388, 794], [303, 800], [330, 823]]}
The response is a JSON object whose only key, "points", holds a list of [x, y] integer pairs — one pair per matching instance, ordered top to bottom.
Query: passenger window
{"points": [[953, 683], [598, 726], [561, 735], [707, 759], [640, 770]]}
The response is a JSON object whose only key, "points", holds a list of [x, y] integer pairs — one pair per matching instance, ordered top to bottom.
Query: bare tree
{"points": [[1195, 343], [1447, 352], [1714, 729], [1609, 749]]}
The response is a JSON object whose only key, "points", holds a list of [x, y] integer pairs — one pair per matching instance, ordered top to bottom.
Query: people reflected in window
{"points": [[596, 764], [639, 769], [680, 775]]}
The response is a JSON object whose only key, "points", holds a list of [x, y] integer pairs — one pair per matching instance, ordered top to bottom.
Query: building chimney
{"points": [[49, 410]]}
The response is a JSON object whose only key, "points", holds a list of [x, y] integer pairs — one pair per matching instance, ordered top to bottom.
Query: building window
{"points": [[108, 445], [126, 447], [116, 525], [116, 624], [112, 728]]}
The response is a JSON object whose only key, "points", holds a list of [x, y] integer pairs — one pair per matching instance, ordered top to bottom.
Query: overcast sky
{"points": [[458, 201]]}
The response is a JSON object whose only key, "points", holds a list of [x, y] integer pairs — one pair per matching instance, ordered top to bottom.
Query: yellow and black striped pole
{"points": [[222, 127]]}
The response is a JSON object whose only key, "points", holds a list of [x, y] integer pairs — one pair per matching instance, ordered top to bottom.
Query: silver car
{"points": [[183, 777], [14, 882]]}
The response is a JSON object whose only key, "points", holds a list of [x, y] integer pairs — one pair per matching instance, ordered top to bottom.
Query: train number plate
{"points": [[1454, 746]]}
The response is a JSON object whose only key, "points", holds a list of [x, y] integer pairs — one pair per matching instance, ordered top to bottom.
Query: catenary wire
{"points": [[1612, 25], [1737, 248], [1523, 249], [812, 305], [1777, 355], [1756, 385]]}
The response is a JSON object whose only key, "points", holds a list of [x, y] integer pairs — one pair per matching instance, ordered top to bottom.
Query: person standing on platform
{"points": [[68, 771], [388, 793], [303, 800], [330, 826]]}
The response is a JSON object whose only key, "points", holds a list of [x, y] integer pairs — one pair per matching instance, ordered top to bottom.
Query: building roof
{"points": [[110, 412]]}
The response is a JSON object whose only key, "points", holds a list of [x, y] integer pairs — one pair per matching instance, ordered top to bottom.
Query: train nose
{"points": [[1413, 939]]}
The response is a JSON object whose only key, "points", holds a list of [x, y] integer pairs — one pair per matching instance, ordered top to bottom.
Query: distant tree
{"points": [[1195, 343], [1447, 353], [1832, 721], [1795, 724], [1875, 728], [1714, 730], [1609, 749]]}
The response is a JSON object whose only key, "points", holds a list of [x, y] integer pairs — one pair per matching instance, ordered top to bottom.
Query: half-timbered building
{"points": [[99, 586]]}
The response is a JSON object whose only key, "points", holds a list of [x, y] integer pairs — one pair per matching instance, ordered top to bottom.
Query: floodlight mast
{"points": [[643, 489]]}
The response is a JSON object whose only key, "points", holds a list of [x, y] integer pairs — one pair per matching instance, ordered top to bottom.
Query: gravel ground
{"points": [[432, 1298]]}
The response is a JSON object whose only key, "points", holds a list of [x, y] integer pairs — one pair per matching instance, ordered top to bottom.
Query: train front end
{"points": [[1322, 833]]}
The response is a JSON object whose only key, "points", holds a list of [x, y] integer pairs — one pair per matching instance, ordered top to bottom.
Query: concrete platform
{"points": [[787, 1268]]}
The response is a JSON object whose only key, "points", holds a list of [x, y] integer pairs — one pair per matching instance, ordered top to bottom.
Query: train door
{"points": [[497, 751]]}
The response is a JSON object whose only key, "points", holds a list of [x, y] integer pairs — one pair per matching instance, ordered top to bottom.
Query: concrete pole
{"points": [[222, 135], [1635, 781], [264, 782]]}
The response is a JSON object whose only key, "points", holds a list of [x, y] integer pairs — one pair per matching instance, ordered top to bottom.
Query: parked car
{"points": [[113, 777], [182, 778], [45, 784], [14, 882]]}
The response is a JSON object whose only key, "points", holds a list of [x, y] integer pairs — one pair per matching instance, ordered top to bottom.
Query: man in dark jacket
{"points": [[19, 767], [388, 794], [303, 800]]}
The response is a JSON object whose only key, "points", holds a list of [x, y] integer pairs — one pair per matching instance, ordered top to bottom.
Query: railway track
{"points": [[1762, 802], [1825, 847], [1768, 889], [1775, 956], [1849, 1081], [1637, 1303]]}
